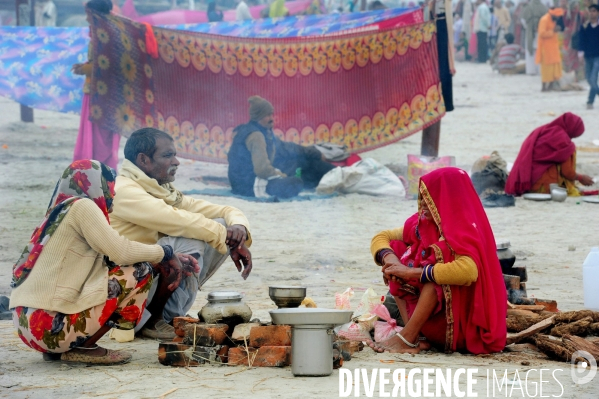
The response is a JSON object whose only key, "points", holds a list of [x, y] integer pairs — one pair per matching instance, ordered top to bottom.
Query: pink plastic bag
{"points": [[384, 330], [353, 331]]}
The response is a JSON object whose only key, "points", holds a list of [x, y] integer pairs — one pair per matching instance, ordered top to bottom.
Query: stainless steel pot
{"points": [[287, 296], [223, 306], [311, 350]]}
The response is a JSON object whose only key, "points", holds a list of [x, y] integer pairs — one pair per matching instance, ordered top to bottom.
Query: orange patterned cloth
{"points": [[361, 89]]}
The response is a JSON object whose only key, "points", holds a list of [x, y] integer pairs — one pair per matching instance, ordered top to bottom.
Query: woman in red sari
{"points": [[548, 156], [443, 271]]}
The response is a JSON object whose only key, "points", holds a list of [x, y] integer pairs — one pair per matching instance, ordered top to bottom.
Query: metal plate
{"points": [[537, 197], [592, 200], [310, 316]]}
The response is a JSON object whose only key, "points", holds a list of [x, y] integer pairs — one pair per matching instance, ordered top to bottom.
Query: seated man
{"points": [[511, 58], [261, 164], [149, 209]]}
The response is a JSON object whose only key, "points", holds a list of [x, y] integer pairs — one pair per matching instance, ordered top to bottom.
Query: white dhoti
{"points": [[531, 66]]}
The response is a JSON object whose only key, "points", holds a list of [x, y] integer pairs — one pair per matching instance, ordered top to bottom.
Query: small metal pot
{"points": [[559, 194], [287, 296]]}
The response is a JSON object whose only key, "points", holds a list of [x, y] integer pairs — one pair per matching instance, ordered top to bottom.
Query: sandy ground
{"points": [[322, 244]]}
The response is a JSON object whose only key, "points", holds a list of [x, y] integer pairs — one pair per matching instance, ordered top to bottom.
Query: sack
{"points": [[332, 152], [419, 165], [364, 177], [353, 332]]}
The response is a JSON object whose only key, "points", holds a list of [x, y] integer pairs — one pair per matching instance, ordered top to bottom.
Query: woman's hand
{"points": [[77, 69], [585, 180], [393, 270]]}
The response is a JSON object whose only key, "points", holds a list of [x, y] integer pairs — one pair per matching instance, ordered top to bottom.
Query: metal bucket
{"points": [[311, 350]]}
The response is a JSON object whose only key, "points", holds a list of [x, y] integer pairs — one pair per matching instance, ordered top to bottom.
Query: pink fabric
{"points": [[94, 142], [547, 145]]}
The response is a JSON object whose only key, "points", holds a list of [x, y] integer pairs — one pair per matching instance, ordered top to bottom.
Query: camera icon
{"points": [[583, 371]]}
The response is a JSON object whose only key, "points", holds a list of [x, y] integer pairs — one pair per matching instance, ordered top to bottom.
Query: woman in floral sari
{"points": [[443, 271], [68, 287]]}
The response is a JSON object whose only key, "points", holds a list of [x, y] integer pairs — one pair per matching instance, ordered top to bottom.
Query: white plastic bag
{"points": [[364, 177], [342, 300], [369, 300]]}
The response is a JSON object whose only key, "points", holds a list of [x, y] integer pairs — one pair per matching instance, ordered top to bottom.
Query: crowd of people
{"points": [[532, 37]]}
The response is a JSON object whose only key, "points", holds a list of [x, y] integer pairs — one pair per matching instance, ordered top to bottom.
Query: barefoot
{"points": [[393, 345], [424, 345]]}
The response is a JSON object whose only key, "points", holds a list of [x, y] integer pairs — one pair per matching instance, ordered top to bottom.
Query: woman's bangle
{"points": [[168, 253], [380, 256], [427, 274]]}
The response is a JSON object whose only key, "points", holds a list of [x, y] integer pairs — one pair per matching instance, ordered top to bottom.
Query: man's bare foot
{"points": [[393, 345]]}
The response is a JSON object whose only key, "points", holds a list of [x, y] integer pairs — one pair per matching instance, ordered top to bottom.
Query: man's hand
{"points": [[585, 180], [236, 236], [242, 254], [189, 264], [171, 271]]}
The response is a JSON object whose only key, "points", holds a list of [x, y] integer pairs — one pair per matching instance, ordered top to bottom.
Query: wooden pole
{"points": [[25, 17], [430, 140]]}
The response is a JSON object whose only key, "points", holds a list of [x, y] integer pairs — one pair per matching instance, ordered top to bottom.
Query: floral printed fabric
{"points": [[35, 62], [82, 179], [55, 332]]}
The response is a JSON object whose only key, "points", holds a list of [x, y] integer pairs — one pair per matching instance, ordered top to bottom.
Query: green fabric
{"points": [[278, 9]]}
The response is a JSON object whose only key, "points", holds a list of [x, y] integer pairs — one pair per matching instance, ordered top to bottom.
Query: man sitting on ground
{"points": [[510, 60], [260, 164], [149, 209]]}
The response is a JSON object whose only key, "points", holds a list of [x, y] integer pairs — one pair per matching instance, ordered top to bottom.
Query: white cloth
{"points": [[242, 12], [45, 13], [467, 18], [482, 19], [531, 66]]}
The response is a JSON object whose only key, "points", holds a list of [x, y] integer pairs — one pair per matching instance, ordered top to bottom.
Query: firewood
{"points": [[550, 305], [532, 308], [521, 312], [574, 315], [517, 323], [579, 327], [594, 328], [513, 338], [582, 344], [554, 347], [528, 349]]}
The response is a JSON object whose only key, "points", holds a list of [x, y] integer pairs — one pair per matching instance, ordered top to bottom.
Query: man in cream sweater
{"points": [[149, 209]]}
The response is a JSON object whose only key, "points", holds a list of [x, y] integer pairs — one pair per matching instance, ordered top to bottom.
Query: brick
{"points": [[181, 322], [242, 331], [206, 334], [270, 336], [181, 355], [265, 356]]}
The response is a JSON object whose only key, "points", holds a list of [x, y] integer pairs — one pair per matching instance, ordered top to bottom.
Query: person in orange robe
{"points": [[548, 54]]}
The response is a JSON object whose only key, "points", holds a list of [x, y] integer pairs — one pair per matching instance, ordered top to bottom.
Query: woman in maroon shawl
{"points": [[548, 156], [443, 271]]}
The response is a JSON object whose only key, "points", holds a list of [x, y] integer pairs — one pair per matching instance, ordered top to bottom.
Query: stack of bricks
{"points": [[268, 346]]}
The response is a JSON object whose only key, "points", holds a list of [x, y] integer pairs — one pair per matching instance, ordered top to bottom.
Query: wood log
{"points": [[550, 305], [532, 308], [521, 312], [574, 315], [517, 323], [579, 327], [594, 328], [513, 338], [582, 344], [553, 347]]}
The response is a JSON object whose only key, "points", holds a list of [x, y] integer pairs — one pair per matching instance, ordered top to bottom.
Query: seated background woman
{"points": [[548, 156], [443, 271], [66, 293]]}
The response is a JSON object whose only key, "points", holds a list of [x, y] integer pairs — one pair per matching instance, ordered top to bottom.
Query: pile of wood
{"points": [[557, 334]]}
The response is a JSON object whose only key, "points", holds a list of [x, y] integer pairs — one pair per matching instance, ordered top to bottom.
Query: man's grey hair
{"points": [[143, 141]]}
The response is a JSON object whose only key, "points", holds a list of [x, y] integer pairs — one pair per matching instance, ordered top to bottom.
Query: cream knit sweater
{"points": [[69, 275]]}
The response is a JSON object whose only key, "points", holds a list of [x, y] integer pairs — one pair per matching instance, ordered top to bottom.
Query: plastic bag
{"points": [[419, 165], [364, 177], [342, 300], [369, 300], [384, 330], [353, 332]]}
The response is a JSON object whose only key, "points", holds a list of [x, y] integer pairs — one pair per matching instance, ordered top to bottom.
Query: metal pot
{"points": [[559, 194], [505, 255], [287, 296], [225, 307], [312, 350]]}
